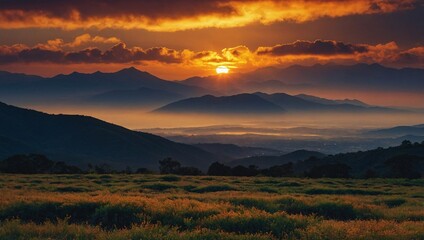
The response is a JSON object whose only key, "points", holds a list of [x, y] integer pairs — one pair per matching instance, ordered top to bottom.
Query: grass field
{"points": [[174, 207]]}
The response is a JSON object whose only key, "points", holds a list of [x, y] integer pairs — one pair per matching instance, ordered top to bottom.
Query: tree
{"points": [[406, 143], [33, 164], [168, 165], [404, 166], [103, 169], [219, 169], [128, 170], [337, 170], [143, 171], [189, 171], [279, 171], [370, 174]]}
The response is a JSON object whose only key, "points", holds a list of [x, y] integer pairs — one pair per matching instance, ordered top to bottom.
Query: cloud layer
{"points": [[163, 15], [318, 47], [57, 51]]}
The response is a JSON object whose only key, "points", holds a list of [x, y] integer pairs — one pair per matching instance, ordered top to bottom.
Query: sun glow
{"points": [[222, 70]]}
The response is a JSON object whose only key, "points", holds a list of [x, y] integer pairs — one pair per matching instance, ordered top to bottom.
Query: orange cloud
{"points": [[162, 15], [58, 52]]}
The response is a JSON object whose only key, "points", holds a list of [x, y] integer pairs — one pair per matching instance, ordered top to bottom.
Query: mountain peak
{"points": [[130, 70]]}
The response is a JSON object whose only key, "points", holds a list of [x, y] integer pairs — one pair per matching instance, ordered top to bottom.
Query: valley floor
{"points": [[172, 207]]}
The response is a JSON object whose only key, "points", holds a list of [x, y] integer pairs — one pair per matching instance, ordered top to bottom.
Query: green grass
{"points": [[189, 207]]}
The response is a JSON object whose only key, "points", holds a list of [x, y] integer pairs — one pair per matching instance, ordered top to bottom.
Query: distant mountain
{"points": [[358, 76], [361, 76], [10, 79], [76, 86], [141, 97], [315, 99], [289, 102], [262, 103], [236, 104], [398, 131], [412, 138], [80, 140], [232, 151], [268, 161]]}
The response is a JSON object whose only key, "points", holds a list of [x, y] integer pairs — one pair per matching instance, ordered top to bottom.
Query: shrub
{"points": [[171, 178], [289, 184], [160, 186], [213, 188], [71, 189], [268, 189], [349, 191], [394, 202], [260, 204], [293, 206], [329, 210], [37, 212], [80, 212], [117, 216], [278, 224]]}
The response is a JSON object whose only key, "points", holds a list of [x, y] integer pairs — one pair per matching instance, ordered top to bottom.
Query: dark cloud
{"points": [[152, 9], [175, 15], [318, 47], [117, 54], [389, 54]]}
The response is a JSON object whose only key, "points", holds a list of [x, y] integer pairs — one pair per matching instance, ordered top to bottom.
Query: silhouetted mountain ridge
{"points": [[75, 87], [258, 102], [241, 103], [80, 140], [269, 161]]}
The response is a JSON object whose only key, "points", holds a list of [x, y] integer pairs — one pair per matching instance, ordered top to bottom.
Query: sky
{"points": [[183, 38]]}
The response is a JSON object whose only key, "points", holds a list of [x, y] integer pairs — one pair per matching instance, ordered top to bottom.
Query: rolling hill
{"points": [[315, 99], [262, 103], [237, 104], [398, 131], [80, 140], [232, 151], [372, 160], [268, 161]]}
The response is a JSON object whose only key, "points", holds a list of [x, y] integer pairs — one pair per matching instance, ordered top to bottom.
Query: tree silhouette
{"points": [[168, 165], [219, 169], [337, 170]]}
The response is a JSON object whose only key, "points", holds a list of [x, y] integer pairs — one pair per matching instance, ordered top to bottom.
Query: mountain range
{"points": [[361, 76], [127, 86], [131, 87], [259, 102], [237, 104], [398, 131]]}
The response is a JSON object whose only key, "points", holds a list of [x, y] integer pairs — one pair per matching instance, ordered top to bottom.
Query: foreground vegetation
{"points": [[120, 206]]}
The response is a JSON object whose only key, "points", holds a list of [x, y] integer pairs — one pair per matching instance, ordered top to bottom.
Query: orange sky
{"points": [[182, 38]]}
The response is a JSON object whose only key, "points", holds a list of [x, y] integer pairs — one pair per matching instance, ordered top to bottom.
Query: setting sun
{"points": [[222, 70]]}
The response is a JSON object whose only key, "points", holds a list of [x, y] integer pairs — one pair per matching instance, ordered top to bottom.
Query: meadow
{"points": [[136, 206]]}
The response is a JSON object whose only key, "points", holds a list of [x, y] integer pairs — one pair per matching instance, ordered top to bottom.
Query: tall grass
{"points": [[164, 207]]}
